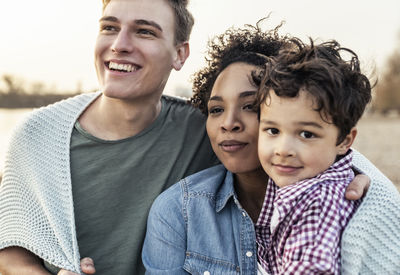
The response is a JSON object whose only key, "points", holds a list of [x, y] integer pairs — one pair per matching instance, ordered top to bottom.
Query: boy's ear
{"points": [[182, 53], [347, 142]]}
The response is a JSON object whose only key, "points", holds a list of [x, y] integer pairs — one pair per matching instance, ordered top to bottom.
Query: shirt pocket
{"points": [[203, 265]]}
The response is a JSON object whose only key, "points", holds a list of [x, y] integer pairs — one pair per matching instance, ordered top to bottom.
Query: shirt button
{"points": [[244, 214], [249, 254], [206, 273]]}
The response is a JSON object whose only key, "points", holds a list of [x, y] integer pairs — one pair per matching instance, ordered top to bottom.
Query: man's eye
{"points": [[107, 28], [146, 32], [272, 131], [307, 134]]}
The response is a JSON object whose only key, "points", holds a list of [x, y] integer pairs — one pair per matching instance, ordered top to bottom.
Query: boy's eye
{"points": [[272, 131], [307, 134]]}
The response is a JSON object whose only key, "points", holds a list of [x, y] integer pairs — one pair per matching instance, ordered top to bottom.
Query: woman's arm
{"points": [[358, 187], [164, 248]]}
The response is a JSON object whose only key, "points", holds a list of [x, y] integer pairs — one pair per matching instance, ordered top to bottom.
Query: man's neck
{"points": [[113, 119]]}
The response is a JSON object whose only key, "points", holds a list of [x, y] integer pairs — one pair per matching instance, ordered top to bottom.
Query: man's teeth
{"points": [[121, 67]]}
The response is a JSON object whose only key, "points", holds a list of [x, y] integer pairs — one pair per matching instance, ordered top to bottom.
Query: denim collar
{"points": [[225, 192]]}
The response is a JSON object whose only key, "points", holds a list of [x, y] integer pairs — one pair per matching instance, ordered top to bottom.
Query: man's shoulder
{"points": [[182, 105], [66, 106], [62, 113]]}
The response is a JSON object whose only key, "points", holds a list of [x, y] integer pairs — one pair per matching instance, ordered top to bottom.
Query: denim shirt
{"points": [[197, 226]]}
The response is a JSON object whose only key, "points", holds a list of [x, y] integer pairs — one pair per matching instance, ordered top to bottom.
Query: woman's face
{"points": [[232, 125]]}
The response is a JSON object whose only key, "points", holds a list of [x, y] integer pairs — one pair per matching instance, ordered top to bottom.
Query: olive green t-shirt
{"points": [[115, 182]]}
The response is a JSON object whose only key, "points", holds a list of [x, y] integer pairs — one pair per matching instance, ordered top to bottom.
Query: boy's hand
{"points": [[358, 187], [87, 267]]}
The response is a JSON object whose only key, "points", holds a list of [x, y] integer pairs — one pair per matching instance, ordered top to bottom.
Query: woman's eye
{"points": [[248, 107], [215, 110], [272, 131], [307, 134]]}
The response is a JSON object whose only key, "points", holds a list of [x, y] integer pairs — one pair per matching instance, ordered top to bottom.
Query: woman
{"points": [[208, 222]]}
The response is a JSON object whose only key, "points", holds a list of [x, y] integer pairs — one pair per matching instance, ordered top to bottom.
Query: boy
{"points": [[310, 101]]}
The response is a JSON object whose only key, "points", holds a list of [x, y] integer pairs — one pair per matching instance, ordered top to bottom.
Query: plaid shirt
{"points": [[300, 225]]}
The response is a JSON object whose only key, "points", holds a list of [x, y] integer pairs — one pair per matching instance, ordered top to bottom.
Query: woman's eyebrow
{"points": [[246, 94]]}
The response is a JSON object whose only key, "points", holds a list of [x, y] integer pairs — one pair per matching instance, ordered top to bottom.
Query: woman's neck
{"points": [[250, 189]]}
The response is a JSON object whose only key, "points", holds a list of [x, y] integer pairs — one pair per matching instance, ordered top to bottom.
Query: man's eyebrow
{"points": [[108, 18], [138, 21], [149, 23]]}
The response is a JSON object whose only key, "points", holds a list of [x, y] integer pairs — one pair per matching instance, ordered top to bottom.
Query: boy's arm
{"points": [[313, 242], [19, 261]]}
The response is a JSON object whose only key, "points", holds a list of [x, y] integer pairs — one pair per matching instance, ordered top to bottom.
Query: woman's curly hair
{"points": [[250, 45]]}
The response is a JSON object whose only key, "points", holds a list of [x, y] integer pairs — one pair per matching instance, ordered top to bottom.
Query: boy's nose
{"points": [[284, 147]]}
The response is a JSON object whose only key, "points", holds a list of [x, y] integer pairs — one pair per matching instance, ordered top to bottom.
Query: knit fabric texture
{"points": [[36, 206], [371, 241]]}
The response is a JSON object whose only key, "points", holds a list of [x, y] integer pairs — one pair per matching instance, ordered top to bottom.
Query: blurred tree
{"points": [[13, 84], [388, 88]]}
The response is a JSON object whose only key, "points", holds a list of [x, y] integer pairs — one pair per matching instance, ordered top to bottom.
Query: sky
{"points": [[52, 41]]}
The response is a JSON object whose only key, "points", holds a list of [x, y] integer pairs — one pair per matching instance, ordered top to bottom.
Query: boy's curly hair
{"points": [[250, 45], [340, 91]]}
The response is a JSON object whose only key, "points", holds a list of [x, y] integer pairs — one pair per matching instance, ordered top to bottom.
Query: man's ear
{"points": [[182, 53], [347, 142]]}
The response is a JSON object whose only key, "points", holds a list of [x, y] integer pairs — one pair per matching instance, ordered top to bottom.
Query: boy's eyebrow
{"points": [[138, 21], [241, 95], [301, 123], [309, 123]]}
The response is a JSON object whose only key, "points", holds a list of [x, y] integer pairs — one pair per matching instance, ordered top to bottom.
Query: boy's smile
{"points": [[295, 143]]}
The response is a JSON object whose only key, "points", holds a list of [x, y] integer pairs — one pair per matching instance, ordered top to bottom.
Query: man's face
{"points": [[135, 49]]}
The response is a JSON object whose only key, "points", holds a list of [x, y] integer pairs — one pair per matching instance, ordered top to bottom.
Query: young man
{"points": [[311, 101], [83, 173]]}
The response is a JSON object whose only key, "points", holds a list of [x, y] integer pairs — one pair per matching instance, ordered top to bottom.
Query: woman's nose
{"points": [[231, 122]]}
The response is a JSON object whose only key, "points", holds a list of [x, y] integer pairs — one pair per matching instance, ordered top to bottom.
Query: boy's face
{"points": [[135, 49], [294, 142]]}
